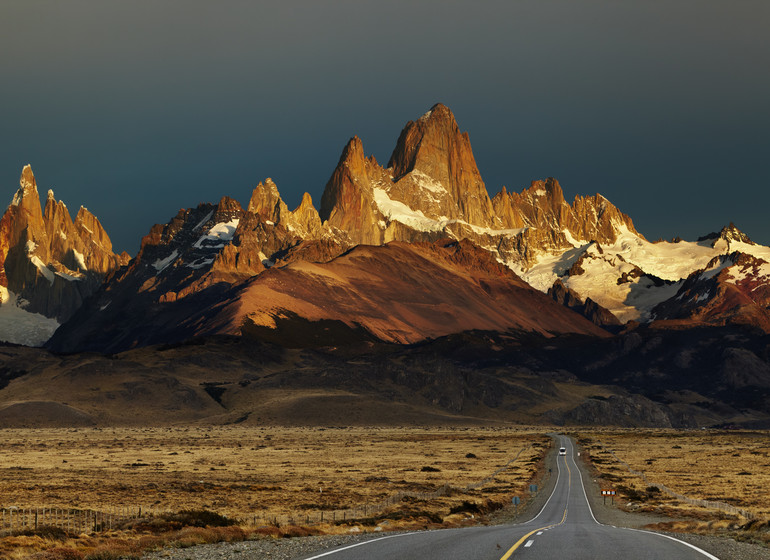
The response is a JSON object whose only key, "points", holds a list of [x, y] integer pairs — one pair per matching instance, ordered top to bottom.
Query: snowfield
{"points": [[633, 297], [18, 326]]}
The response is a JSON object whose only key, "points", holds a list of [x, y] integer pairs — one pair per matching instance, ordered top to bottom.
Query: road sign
{"points": [[533, 488], [610, 493], [516, 500]]}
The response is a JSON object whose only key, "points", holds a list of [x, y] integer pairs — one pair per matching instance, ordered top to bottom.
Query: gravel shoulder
{"points": [[305, 547], [723, 548]]}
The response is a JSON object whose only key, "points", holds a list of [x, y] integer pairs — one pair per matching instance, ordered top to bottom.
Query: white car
{"points": [[562, 451]]}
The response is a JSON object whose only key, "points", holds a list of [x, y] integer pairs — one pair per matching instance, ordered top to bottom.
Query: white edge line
{"points": [[555, 486], [336, 550], [706, 554]]}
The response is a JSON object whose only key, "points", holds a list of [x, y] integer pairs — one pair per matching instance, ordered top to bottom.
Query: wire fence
{"points": [[711, 504], [14, 520]]}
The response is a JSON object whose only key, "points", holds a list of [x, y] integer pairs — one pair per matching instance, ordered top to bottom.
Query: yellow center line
{"points": [[563, 519]]}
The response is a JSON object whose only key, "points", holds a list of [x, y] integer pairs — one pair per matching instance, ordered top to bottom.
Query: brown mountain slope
{"points": [[399, 293]]}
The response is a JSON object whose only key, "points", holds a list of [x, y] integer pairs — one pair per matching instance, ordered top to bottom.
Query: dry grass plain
{"points": [[722, 466], [258, 474]]}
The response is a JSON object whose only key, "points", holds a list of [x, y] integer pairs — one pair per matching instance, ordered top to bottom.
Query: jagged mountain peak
{"points": [[439, 111], [434, 146], [27, 180], [544, 190], [27, 197], [266, 201], [306, 202], [732, 233], [724, 237], [49, 262]]}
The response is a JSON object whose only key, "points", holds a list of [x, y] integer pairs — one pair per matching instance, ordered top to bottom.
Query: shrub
{"points": [[469, 507], [200, 518], [297, 531], [45, 532], [62, 553]]}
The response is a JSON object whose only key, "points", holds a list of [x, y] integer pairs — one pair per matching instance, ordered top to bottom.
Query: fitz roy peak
{"points": [[432, 188]]}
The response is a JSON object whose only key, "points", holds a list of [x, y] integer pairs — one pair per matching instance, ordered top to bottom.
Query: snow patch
{"points": [[427, 182], [397, 211], [203, 221], [488, 231], [220, 234], [572, 241], [79, 260], [200, 263], [161, 264], [551, 266], [44, 270], [713, 271], [762, 274]]}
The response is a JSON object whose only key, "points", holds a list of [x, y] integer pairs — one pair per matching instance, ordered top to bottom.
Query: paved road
{"points": [[564, 529]]}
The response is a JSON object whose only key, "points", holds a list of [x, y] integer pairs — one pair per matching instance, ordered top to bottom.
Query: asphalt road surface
{"points": [[564, 529]]}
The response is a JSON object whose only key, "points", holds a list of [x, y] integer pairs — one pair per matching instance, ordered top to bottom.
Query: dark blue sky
{"points": [[136, 109]]}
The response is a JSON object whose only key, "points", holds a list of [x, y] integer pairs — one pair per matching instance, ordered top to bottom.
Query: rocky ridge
{"points": [[431, 190], [49, 263]]}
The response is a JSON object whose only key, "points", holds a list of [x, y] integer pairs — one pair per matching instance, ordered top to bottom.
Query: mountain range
{"points": [[399, 260]]}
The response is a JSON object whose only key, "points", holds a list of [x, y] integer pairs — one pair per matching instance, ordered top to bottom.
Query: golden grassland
{"points": [[731, 467], [258, 474]]}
